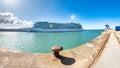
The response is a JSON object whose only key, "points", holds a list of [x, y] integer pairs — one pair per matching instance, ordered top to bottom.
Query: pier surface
{"points": [[102, 52], [110, 57]]}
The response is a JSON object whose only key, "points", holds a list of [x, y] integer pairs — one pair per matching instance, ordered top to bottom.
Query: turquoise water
{"points": [[37, 42]]}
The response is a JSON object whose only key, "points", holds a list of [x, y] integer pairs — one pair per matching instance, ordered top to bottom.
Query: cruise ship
{"points": [[55, 27]]}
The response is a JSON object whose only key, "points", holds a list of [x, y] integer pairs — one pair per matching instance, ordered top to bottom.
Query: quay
{"points": [[102, 52], [110, 57]]}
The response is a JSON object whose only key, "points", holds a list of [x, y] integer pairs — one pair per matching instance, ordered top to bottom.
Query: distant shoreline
{"points": [[41, 30], [48, 30]]}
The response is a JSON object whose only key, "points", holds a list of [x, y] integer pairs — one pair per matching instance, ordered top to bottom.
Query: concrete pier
{"points": [[102, 52], [110, 57]]}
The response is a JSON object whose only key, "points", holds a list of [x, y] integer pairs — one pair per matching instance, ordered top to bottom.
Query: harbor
{"points": [[59, 34], [102, 52]]}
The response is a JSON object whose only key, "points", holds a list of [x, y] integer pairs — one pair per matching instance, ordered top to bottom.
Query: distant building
{"points": [[107, 27], [117, 28]]}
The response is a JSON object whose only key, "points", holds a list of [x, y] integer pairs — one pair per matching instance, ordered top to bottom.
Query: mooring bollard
{"points": [[56, 50]]}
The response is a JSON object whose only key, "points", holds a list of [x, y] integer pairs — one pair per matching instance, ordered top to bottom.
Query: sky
{"points": [[91, 14]]}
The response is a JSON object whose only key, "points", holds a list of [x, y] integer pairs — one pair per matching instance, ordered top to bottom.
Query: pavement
{"points": [[110, 57]]}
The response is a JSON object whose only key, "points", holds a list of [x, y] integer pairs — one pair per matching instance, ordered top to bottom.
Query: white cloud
{"points": [[12, 20]]}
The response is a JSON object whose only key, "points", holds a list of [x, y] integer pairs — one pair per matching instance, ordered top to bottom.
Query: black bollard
{"points": [[56, 50]]}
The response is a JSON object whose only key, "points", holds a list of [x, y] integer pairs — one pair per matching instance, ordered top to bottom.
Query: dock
{"points": [[101, 52], [110, 57]]}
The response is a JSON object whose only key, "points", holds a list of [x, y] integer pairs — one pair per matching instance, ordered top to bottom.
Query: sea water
{"points": [[40, 42]]}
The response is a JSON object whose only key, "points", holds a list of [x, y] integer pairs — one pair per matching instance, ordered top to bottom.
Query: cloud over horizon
{"points": [[11, 19]]}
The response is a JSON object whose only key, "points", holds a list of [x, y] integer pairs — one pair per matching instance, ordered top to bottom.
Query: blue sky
{"points": [[92, 14]]}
